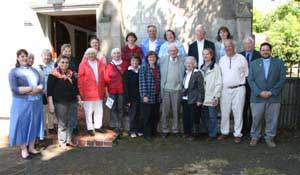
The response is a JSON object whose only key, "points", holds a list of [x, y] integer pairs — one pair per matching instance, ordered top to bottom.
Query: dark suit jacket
{"points": [[193, 48], [255, 55], [274, 83], [195, 91]]}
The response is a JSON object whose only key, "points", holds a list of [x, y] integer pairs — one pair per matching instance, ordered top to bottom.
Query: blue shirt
{"points": [[145, 47], [163, 51], [266, 62], [46, 69]]}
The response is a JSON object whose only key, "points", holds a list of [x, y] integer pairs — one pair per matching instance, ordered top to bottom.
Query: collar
{"points": [[153, 41], [201, 41], [171, 59], [117, 63], [136, 70], [194, 70]]}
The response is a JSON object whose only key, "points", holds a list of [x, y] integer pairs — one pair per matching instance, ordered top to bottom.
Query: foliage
{"points": [[282, 27]]}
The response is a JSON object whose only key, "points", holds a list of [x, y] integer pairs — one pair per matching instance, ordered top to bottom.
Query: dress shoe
{"points": [[100, 130], [52, 131], [75, 131], [91, 132], [164, 135], [177, 135], [222, 137], [190, 138], [209, 139], [237, 140], [253, 142], [271, 143], [35, 154]]}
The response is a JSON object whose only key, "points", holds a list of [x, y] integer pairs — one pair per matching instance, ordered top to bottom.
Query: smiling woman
{"points": [[26, 122]]}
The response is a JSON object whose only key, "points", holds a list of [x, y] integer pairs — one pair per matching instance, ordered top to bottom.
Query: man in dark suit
{"points": [[195, 50], [250, 54], [266, 79]]}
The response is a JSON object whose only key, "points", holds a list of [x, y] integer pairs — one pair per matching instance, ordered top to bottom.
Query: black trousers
{"points": [[190, 111], [150, 113], [247, 116], [135, 118]]}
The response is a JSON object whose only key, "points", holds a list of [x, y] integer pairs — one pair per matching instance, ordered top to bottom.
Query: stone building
{"points": [[39, 24]]}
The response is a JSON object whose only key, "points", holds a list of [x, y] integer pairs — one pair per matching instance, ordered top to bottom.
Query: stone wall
{"points": [[118, 17]]}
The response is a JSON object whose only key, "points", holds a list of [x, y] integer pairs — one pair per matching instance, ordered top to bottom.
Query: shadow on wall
{"points": [[180, 15]]}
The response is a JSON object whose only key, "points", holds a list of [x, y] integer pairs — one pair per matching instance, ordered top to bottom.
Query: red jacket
{"points": [[114, 78], [88, 88]]}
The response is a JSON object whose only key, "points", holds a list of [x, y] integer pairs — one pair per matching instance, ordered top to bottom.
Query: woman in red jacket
{"points": [[114, 81], [91, 87]]}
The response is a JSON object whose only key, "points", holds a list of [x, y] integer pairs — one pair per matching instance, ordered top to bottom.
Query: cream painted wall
{"points": [[14, 34]]}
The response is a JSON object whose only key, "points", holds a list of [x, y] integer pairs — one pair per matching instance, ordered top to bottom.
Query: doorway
{"points": [[75, 30]]}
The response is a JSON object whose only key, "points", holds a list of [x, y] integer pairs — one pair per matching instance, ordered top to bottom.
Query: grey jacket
{"points": [[164, 64], [274, 82], [195, 91]]}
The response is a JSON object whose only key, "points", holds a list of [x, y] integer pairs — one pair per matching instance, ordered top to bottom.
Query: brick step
{"points": [[99, 140]]}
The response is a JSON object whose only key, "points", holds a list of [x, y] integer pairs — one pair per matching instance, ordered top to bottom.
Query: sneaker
{"points": [[91, 132], [140, 134], [133, 135], [222, 137], [253, 142], [271, 143]]}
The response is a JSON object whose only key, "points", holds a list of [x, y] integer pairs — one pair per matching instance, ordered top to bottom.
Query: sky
{"points": [[266, 5]]}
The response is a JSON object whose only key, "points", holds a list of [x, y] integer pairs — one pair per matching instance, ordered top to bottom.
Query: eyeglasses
{"points": [[64, 62]]}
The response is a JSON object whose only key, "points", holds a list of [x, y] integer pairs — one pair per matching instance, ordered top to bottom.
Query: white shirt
{"points": [[152, 45], [200, 45], [173, 60], [94, 66], [234, 70], [186, 81]]}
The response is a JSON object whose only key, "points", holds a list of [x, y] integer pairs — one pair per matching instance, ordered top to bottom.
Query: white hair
{"points": [[200, 26], [248, 38], [173, 45], [90, 50], [114, 50], [47, 52], [30, 55], [190, 58]]}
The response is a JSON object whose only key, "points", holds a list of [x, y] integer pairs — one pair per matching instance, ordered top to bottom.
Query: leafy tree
{"points": [[282, 27]]}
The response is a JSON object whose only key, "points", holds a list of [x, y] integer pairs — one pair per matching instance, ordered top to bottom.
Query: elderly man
{"points": [[151, 43], [196, 48], [250, 54], [234, 68], [45, 69], [172, 71], [266, 79]]}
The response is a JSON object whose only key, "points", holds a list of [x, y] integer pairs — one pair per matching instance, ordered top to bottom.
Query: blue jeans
{"points": [[210, 120]]}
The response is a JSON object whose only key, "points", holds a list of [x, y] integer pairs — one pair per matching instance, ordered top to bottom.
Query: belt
{"points": [[233, 87]]}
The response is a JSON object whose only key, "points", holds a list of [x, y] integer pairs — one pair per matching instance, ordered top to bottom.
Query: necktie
{"points": [[248, 58]]}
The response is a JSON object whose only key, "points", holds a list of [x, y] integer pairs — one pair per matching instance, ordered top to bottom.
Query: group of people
{"points": [[153, 80]]}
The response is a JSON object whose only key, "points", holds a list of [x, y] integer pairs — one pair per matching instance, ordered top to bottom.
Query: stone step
{"points": [[4, 141]]}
